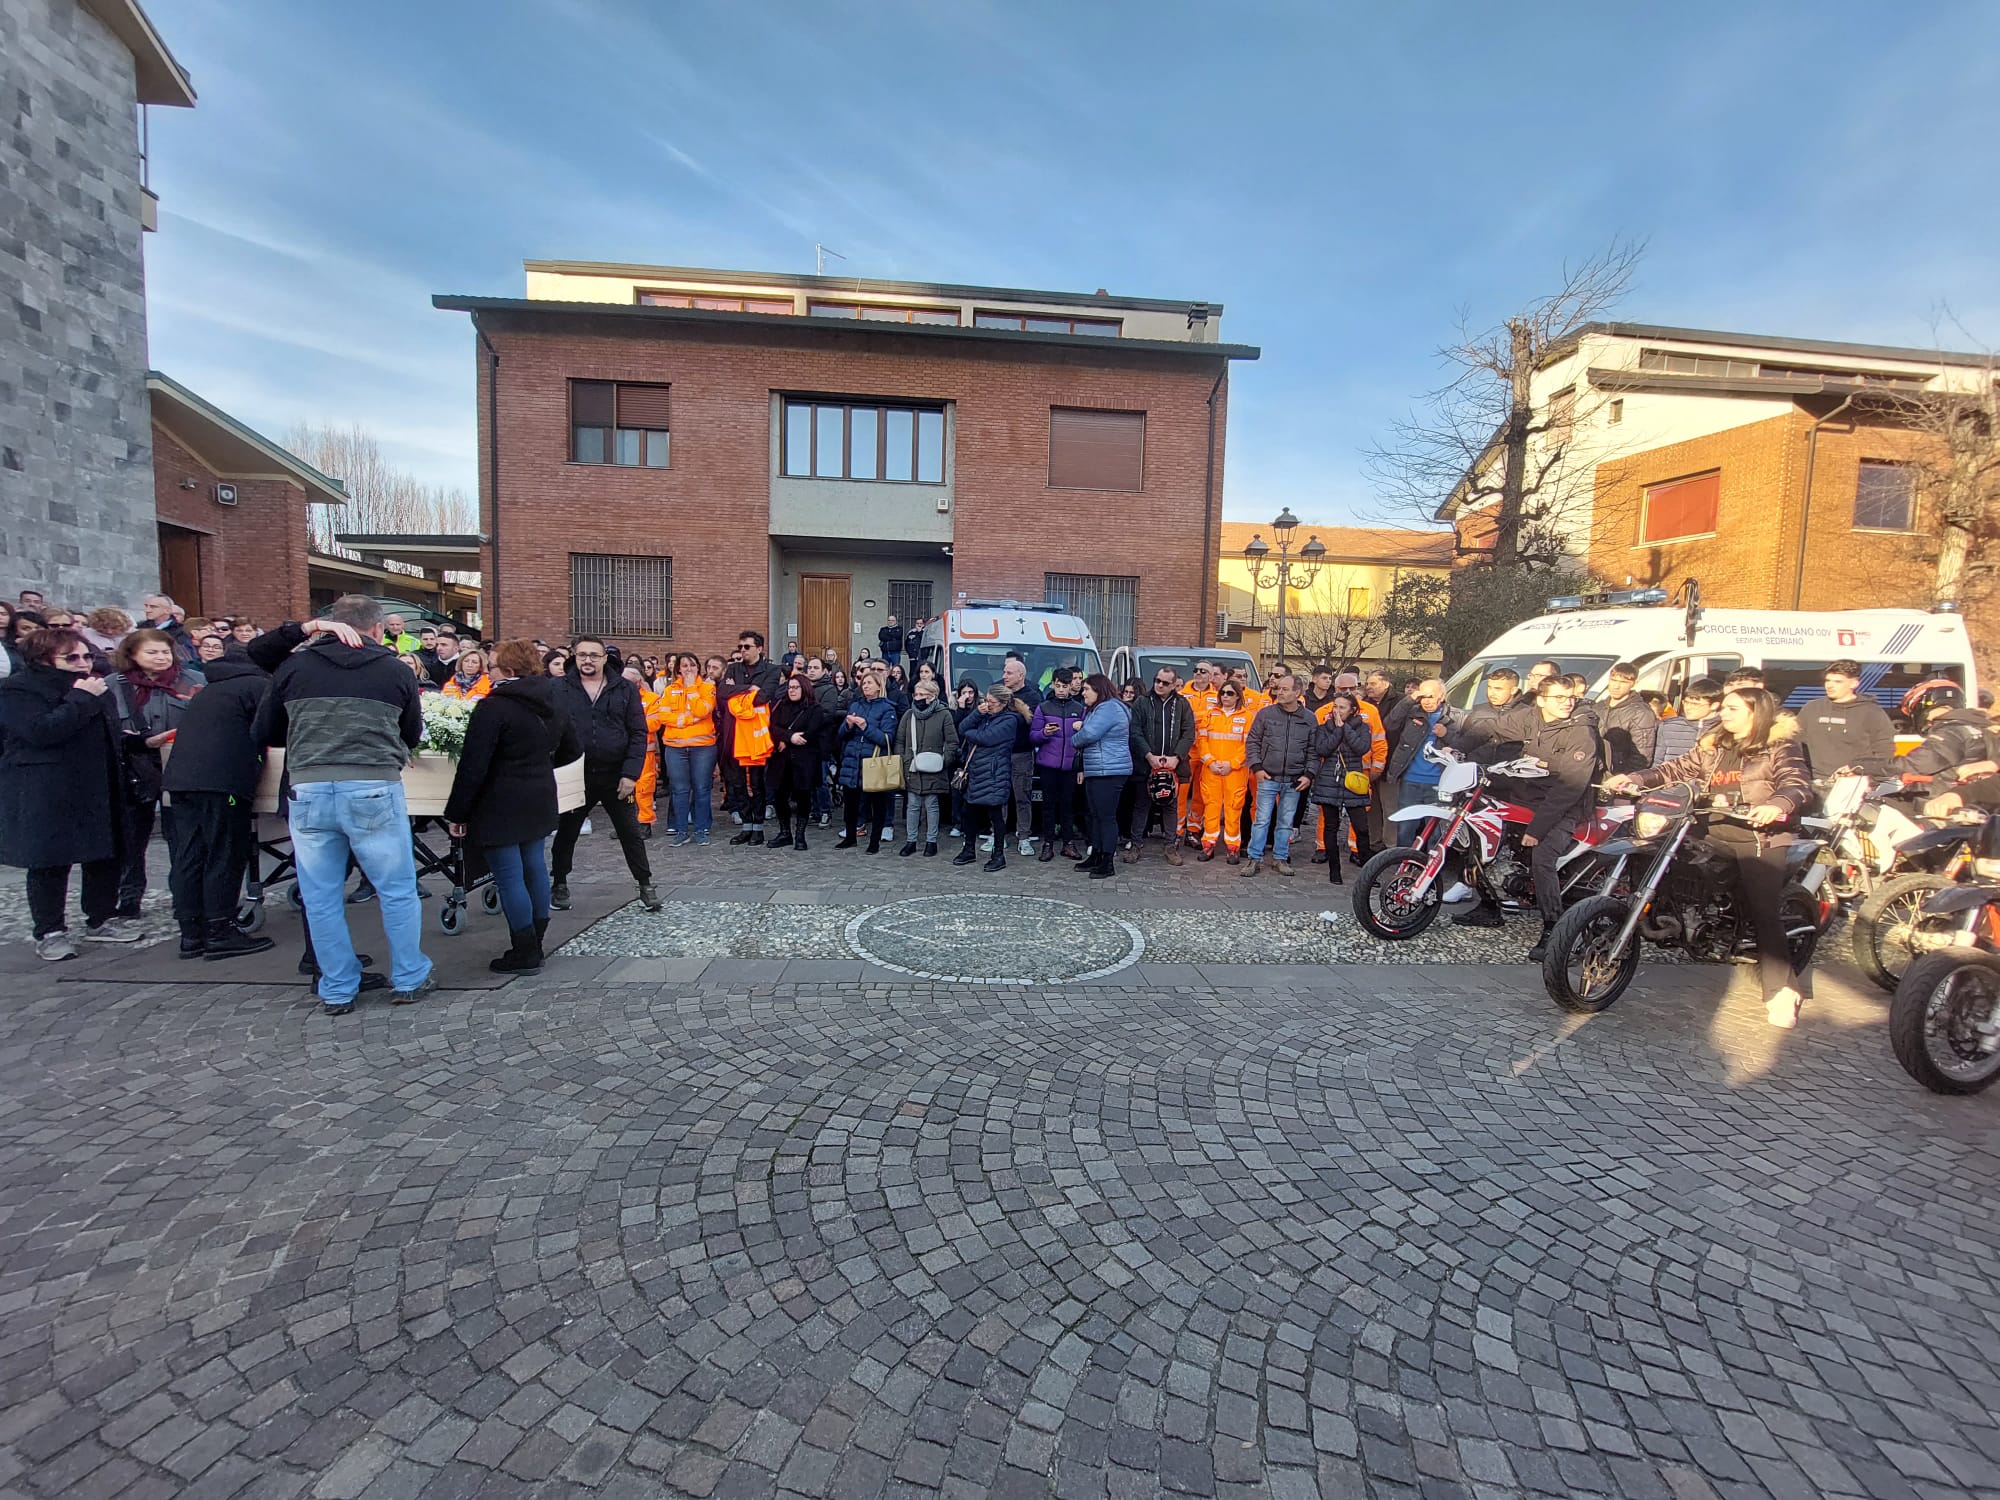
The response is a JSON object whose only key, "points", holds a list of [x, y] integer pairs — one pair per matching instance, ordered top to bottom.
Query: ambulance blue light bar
{"points": [[1610, 599]]}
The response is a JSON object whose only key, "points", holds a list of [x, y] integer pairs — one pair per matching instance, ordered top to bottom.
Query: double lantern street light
{"points": [[1288, 572]]}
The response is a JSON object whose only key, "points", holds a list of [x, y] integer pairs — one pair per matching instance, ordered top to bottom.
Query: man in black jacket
{"points": [[890, 638], [749, 671], [833, 703], [349, 721], [1626, 721], [1163, 722], [1502, 722], [610, 723], [1844, 731], [1569, 749], [1278, 753], [211, 777]]}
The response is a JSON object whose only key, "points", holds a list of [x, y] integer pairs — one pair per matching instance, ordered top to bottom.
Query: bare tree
{"points": [[1480, 429], [1957, 463], [381, 497], [1325, 625]]}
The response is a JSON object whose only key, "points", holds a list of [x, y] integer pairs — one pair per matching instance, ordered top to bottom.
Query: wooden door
{"points": [[180, 567], [825, 613]]}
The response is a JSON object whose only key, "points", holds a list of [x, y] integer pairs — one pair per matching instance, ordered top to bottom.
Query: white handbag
{"points": [[929, 762]]}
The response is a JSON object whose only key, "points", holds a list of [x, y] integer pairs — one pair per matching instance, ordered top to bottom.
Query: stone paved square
{"points": [[1248, 1221]]}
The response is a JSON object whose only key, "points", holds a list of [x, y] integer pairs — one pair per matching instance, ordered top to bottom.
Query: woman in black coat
{"points": [[799, 730], [1339, 749], [62, 791], [503, 795]]}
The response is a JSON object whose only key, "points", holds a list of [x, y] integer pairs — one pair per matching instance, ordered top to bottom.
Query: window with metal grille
{"points": [[616, 422], [1097, 450], [1885, 496], [613, 595], [910, 600], [1108, 605]]}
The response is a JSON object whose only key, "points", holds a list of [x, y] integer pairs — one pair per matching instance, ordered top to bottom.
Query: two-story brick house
{"points": [[669, 456]]}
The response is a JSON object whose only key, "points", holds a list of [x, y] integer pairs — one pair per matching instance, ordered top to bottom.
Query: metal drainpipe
{"points": [[1805, 501], [489, 596], [1207, 621]]}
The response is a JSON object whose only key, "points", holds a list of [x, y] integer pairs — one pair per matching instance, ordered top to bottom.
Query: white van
{"points": [[1588, 634], [974, 639], [1143, 661]]}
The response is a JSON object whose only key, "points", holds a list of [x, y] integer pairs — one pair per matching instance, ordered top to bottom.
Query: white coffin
{"points": [[426, 784]]}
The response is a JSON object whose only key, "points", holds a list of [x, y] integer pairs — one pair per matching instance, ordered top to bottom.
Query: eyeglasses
{"points": [[74, 656], [589, 656], [1163, 682]]}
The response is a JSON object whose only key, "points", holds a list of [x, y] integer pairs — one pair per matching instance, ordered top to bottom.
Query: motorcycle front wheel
{"points": [[1383, 902], [1888, 929], [1580, 969], [1944, 1022]]}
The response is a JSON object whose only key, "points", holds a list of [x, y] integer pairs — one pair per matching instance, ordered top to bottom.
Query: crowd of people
{"points": [[110, 727]]}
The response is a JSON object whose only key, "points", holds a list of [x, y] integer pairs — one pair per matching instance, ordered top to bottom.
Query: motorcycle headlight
{"points": [[1650, 825], [1987, 868]]}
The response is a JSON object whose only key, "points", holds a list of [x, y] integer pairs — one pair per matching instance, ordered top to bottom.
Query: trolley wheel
{"points": [[292, 895], [490, 899], [250, 917], [452, 918]]}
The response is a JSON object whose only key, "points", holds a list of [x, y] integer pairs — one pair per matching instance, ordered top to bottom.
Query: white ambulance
{"points": [[1673, 640], [972, 643]]}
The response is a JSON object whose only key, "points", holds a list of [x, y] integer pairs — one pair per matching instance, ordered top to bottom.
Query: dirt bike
{"points": [[1401, 890], [1676, 891], [1891, 927], [1944, 1022]]}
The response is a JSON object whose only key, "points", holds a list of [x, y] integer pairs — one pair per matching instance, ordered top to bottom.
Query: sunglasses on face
{"points": [[74, 656]]}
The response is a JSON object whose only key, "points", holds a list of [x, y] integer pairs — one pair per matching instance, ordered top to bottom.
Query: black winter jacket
{"points": [[342, 714], [1164, 726], [611, 728], [1499, 730], [1628, 730], [1857, 734], [1954, 738], [1280, 743], [989, 747], [217, 749], [1336, 750], [1572, 751], [62, 787], [504, 790]]}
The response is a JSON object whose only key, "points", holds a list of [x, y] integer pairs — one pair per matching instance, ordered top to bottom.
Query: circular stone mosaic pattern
{"points": [[995, 940]]}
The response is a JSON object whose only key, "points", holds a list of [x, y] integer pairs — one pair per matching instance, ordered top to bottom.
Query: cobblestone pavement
{"points": [[1281, 1230]]}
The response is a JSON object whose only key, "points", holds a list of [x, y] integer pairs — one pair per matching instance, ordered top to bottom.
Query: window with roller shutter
{"points": [[618, 422], [1097, 450], [1681, 508]]}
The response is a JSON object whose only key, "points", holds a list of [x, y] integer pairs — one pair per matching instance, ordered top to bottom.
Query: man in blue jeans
{"points": [[348, 720], [1277, 753]]}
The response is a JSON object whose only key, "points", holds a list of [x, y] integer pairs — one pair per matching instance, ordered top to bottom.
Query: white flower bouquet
{"points": [[445, 721]]}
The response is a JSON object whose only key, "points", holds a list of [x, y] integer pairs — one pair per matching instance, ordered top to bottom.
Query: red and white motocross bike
{"points": [[1468, 842]]}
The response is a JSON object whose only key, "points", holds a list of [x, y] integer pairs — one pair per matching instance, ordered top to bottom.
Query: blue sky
{"points": [[1347, 179]]}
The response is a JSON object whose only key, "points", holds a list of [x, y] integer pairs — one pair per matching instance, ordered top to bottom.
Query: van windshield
{"points": [[983, 663], [1182, 664], [1467, 689]]}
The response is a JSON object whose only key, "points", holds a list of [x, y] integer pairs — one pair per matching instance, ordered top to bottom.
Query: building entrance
{"points": [[180, 567], [826, 613]]}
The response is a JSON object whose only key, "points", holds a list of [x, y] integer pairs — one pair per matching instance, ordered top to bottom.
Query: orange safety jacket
{"points": [[473, 694], [685, 715], [1220, 736], [1378, 742], [752, 744]]}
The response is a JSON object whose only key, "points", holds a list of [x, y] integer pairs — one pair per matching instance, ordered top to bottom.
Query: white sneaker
{"points": [[586, 826], [888, 832], [986, 843], [1027, 846], [112, 930], [55, 947]]}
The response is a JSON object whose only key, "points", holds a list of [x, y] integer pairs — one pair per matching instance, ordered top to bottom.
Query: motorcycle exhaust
{"points": [[1660, 927]]}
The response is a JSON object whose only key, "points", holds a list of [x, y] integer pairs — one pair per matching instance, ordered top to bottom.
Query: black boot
{"points": [[799, 835], [745, 837], [757, 837], [784, 838], [875, 839], [908, 849], [930, 851], [968, 854], [999, 859], [1104, 866], [1482, 915], [541, 930], [193, 939], [224, 939], [1540, 951], [524, 957]]}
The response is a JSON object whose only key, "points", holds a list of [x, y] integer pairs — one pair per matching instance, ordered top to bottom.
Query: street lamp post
{"points": [[1288, 572]]}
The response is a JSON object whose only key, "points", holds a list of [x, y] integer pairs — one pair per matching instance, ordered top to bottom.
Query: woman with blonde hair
{"points": [[469, 679]]}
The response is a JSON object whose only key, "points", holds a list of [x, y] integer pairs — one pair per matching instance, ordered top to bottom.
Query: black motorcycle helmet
{"points": [[1927, 700]]}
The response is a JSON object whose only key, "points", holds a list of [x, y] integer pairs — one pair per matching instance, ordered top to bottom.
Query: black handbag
{"points": [[963, 773]]}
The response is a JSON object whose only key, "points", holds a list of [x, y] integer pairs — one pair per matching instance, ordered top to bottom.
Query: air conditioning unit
{"points": [[225, 494]]}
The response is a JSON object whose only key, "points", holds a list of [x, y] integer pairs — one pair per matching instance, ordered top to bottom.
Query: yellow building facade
{"points": [[1337, 617]]}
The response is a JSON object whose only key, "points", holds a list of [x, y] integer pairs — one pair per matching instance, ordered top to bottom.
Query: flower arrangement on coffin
{"points": [[445, 721]]}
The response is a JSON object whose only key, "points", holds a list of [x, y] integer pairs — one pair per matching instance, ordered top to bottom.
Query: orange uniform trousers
{"points": [[1222, 807]]}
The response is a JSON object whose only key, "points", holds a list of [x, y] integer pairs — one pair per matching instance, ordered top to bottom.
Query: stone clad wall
{"points": [[76, 486]]}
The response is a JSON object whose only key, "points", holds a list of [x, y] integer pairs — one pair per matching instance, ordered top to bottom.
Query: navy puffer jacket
{"points": [[989, 741], [856, 745]]}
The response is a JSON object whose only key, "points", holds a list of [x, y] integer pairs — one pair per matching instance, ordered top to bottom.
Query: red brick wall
{"points": [[711, 510], [253, 554], [1752, 560]]}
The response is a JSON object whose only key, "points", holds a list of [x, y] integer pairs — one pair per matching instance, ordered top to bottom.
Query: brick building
{"points": [[668, 456], [1778, 471], [76, 494], [231, 509]]}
